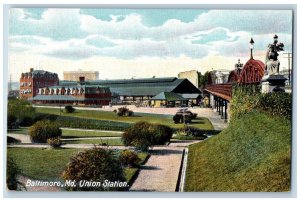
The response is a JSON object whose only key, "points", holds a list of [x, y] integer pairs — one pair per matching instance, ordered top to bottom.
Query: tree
{"points": [[203, 79], [22, 110]]}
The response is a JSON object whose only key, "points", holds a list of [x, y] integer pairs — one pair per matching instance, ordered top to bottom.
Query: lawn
{"points": [[200, 122], [66, 133], [111, 142], [252, 155], [48, 164]]}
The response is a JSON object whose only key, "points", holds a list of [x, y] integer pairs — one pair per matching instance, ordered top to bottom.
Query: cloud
{"points": [[76, 34]]}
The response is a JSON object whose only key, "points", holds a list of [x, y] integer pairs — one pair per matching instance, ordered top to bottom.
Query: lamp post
{"points": [[251, 48]]}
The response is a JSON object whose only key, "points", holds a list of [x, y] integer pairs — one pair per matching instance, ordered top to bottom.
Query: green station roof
{"points": [[141, 87], [168, 96]]}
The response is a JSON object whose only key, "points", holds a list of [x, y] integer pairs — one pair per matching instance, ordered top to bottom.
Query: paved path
{"points": [[23, 138], [161, 171]]}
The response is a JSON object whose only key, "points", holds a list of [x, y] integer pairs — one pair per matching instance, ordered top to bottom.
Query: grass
{"points": [[200, 122], [21, 130], [67, 133], [83, 133], [110, 142], [252, 154], [43, 164], [48, 164]]}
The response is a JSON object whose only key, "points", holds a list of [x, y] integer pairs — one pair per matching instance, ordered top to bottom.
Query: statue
{"points": [[272, 62]]}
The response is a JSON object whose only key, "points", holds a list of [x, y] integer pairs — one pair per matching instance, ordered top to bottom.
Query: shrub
{"points": [[276, 104], [20, 109], [69, 109], [124, 111], [177, 118], [12, 121], [26, 121], [43, 130], [190, 133], [162, 134], [138, 135], [142, 135], [11, 140], [54, 142], [129, 158], [95, 164], [12, 174]]}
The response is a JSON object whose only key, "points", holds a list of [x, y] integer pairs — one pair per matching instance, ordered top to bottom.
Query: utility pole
{"points": [[289, 57]]}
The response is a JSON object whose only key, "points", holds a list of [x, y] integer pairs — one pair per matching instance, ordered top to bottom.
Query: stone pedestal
{"points": [[273, 83]]}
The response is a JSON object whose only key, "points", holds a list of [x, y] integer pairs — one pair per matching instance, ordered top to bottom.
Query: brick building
{"points": [[31, 81], [80, 93]]}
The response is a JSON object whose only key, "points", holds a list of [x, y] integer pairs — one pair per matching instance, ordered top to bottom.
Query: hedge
{"points": [[75, 122]]}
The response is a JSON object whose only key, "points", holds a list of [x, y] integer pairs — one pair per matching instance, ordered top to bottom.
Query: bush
{"points": [[276, 104], [69, 109], [22, 110], [124, 111], [177, 118], [12, 121], [26, 121], [43, 130], [194, 132], [162, 134], [142, 135], [11, 140], [54, 142], [129, 158], [95, 164], [12, 174]]}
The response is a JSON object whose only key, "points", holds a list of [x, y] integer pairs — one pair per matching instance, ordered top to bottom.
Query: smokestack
{"points": [[31, 69]]}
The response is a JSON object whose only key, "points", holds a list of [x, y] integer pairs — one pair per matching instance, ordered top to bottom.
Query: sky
{"points": [[140, 43]]}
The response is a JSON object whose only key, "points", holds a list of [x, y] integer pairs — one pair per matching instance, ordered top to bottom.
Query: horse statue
{"points": [[272, 62]]}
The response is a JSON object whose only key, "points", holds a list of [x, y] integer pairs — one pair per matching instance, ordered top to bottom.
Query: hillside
{"points": [[252, 154]]}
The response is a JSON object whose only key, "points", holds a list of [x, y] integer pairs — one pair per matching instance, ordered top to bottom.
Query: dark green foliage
{"points": [[203, 79], [247, 98], [244, 99], [276, 104], [69, 109], [21, 110], [124, 111], [177, 118], [12, 121], [26, 121], [75, 122], [43, 130], [196, 132], [162, 134], [143, 135], [11, 140], [54, 142], [129, 158], [95, 164], [12, 173]]}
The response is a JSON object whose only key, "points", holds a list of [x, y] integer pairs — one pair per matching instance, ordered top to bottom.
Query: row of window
{"points": [[26, 84], [26, 91], [63, 91]]}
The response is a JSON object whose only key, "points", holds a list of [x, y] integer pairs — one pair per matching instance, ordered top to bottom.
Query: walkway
{"points": [[161, 171]]}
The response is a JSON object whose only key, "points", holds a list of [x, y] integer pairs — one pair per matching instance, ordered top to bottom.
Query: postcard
{"points": [[149, 99]]}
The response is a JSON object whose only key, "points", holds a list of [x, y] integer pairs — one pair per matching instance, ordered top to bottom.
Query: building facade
{"points": [[75, 75], [192, 76], [31, 81], [81, 93]]}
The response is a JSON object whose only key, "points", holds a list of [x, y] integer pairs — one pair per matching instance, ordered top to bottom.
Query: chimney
{"points": [[31, 69], [81, 79]]}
